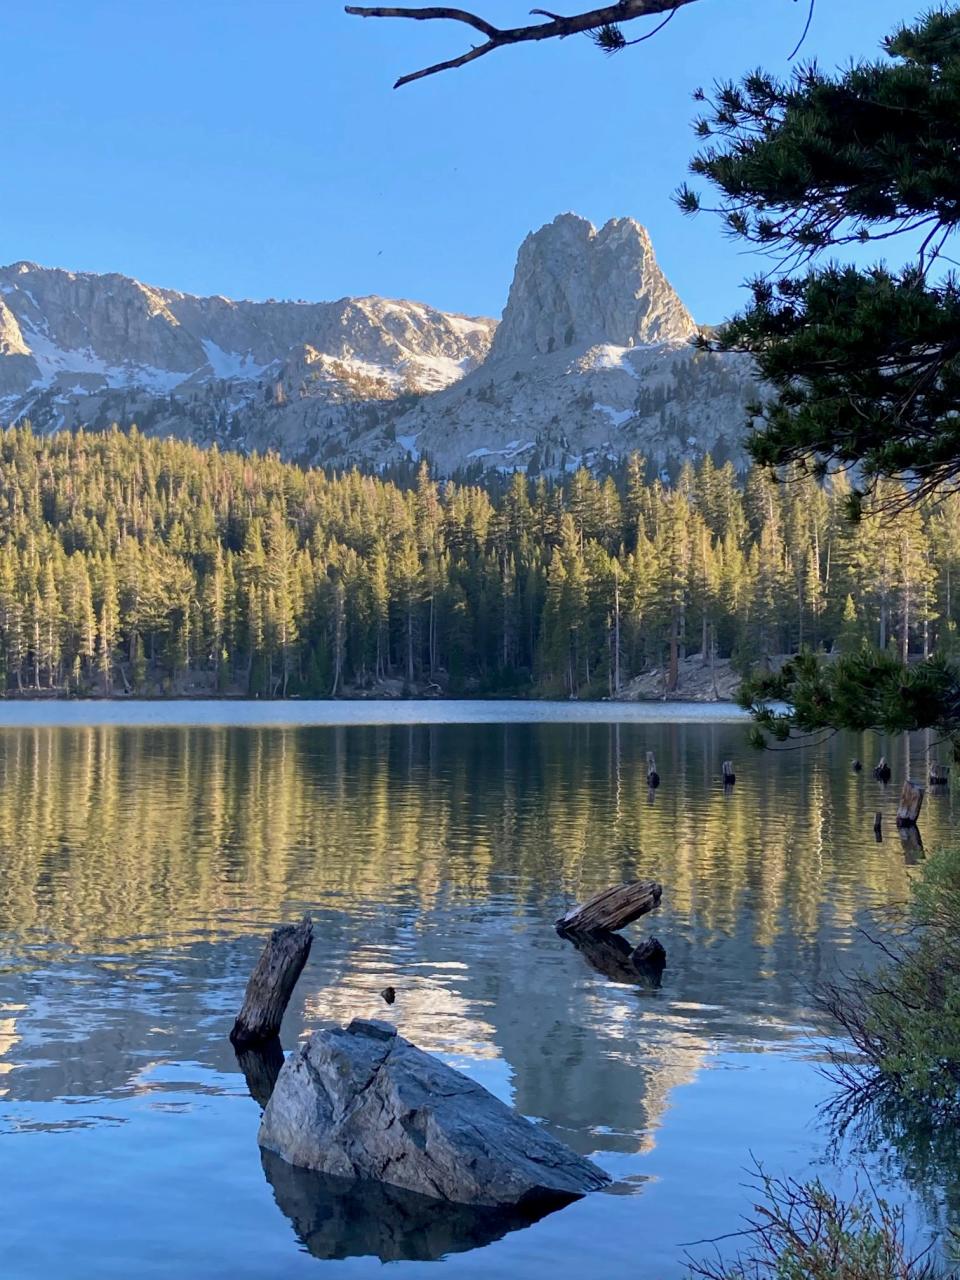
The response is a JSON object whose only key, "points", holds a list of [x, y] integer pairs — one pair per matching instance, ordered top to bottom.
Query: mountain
{"points": [[591, 360]]}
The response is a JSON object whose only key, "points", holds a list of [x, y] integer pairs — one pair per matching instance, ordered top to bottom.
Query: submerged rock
{"points": [[361, 1102]]}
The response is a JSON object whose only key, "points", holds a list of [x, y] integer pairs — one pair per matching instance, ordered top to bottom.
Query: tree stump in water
{"points": [[856, 766], [882, 771], [939, 775], [729, 777], [653, 778], [911, 802], [878, 827], [613, 908], [611, 955], [650, 960], [271, 984]]}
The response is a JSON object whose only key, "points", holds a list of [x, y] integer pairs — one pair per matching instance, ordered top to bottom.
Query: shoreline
{"points": [[43, 697], [171, 712]]}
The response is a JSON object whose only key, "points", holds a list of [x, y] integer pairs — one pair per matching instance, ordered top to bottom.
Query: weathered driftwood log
{"points": [[882, 771], [939, 775], [729, 777], [653, 778], [911, 802], [613, 908], [271, 984], [261, 1066]]}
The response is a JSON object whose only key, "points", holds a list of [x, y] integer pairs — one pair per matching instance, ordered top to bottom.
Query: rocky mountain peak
{"points": [[575, 285]]}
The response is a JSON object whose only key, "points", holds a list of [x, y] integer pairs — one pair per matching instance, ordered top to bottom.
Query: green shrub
{"points": [[904, 1018], [802, 1231]]}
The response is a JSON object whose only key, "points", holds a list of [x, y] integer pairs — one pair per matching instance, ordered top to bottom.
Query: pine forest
{"points": [[131, 564]]}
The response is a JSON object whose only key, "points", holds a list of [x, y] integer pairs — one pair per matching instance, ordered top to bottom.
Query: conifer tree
{"points": [[862, 363]]}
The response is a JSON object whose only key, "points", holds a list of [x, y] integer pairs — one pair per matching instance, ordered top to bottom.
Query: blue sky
{"points": [[258, 150]]}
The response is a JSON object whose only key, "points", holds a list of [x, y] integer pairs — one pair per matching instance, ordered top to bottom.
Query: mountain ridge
{"points": [[591, 350]]}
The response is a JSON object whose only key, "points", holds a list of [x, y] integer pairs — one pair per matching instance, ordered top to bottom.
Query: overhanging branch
{"points": [[555, 27]]}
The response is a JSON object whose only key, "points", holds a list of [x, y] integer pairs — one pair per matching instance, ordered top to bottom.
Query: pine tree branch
{"points": [[556, 26]]}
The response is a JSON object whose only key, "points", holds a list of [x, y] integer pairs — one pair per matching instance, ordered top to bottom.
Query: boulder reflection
{"points": [[337, 1218]]}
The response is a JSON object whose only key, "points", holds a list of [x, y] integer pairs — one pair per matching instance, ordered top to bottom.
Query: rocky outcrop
{"points": [[575, 286], [363, 1103]]}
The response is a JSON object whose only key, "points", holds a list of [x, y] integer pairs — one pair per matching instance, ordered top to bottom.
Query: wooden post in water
{"points": [[856, 766], [882, 771], [939, 775], [729, 777], [653, 778], [911, 802], [878, 827], [613, 908], [271, 984]]}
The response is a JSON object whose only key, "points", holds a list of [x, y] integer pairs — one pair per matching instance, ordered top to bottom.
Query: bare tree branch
{"points": [[555, 27], [804, 33]]}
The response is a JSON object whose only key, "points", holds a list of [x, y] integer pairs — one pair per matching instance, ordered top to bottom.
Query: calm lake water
{"points": [[142, 863]]}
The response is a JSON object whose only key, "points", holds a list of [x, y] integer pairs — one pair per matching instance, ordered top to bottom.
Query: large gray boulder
{"points": [[362, 1102]]}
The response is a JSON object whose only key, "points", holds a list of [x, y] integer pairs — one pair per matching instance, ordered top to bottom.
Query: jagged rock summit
{"points": [[574, 284], [591, 361], [361, 1102]]}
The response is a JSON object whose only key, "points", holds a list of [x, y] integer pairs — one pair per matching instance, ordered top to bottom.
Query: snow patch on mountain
{"points": [[230, 365], [617, 416]]}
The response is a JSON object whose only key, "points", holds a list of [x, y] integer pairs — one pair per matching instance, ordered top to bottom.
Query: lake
{"points": [[145, 853]]}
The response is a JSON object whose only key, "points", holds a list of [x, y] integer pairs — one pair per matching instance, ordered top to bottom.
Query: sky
{"points": [[258, 150]]}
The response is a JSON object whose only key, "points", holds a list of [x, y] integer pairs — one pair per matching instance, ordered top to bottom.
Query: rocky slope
{"points": [[591, 360]]}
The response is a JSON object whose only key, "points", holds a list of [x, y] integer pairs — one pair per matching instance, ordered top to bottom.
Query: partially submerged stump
{"points": [[856, 766], [882, 772], [939, 775], [729, 776], [653, 778], [911, 802], [878, 827], [613, 908], [611, 955], [650, 956], [271, 984], [361, 1102]]}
